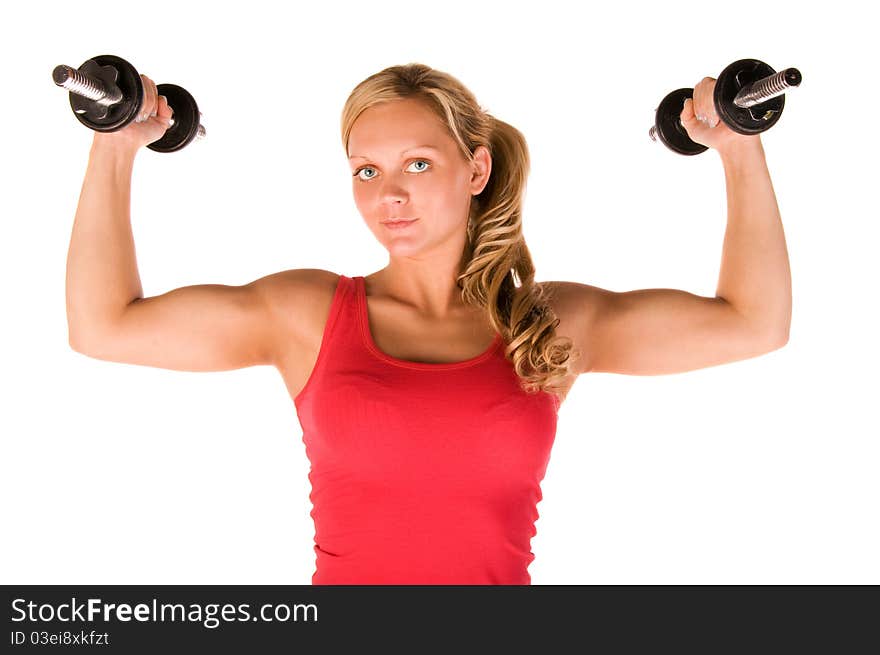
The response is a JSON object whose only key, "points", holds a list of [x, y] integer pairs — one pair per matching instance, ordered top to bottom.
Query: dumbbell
{"points": [[106, 94], [748, 98]]}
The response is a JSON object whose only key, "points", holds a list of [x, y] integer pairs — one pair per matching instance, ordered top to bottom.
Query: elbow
{"points": [[77, 331], [782, 334], [776, 336], [73, 340], [767, 340], [779, 340], [784, 340], [78, 342], [75, 344], [83, 349]]}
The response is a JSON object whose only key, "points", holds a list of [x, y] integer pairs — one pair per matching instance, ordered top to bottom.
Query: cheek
{"points": [[361, 199]]}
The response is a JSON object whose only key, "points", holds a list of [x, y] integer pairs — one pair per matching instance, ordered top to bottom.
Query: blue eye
{"points": [[357, 172]]}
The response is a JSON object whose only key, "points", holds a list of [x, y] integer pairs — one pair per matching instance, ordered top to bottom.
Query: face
{"points": [[405, 166]]}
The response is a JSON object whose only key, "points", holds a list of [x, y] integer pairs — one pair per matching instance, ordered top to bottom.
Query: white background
{"points": [[759, 471]]}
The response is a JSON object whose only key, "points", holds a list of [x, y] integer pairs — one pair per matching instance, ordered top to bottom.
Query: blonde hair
{"points": [[496, 270]]}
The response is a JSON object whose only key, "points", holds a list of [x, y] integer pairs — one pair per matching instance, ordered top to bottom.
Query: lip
{"points": [[398, 224]]}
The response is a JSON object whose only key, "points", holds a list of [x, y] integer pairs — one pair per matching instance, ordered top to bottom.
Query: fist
{"points": [[153, 120], [702, 124]]}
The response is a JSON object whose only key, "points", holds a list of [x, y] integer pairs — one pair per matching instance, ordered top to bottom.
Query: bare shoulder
{"points": [[298, 284], [573, 298], [299, 302], [576, 306]]}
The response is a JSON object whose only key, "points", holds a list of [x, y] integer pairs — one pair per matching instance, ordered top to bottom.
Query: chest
{"points": [[402, 334], [452, 425]]}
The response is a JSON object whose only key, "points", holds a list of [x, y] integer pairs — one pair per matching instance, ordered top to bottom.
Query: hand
{"points": [[150, 125], [711, 131]]}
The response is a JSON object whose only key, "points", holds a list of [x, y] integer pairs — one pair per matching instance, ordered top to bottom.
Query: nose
{"points": [[392, 192]]}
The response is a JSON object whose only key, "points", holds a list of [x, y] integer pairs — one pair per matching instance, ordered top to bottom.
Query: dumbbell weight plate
{"points": [[111, 70], [186, 119], [752, 120], [668, 125]]}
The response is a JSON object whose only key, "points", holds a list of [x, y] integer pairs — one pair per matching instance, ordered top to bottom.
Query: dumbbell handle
{"points": [[87, 86], [767, 88], [761, 90]]}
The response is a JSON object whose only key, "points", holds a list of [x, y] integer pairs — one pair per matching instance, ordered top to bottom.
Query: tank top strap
{"points": [[336, 309], [342, 331], [340, 337]]}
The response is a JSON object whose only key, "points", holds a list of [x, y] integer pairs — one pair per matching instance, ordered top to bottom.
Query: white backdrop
{"points": [[759, 471]]}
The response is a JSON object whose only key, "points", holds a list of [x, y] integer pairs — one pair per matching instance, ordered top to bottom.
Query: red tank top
{"points": [[421, 473]]}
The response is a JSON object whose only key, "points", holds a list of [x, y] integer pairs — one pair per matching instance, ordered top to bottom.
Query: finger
{"points": [[708, 97], [154, 98], [148, 106], [700, 108], [144, 109], [164, 110], [164, 113], [687, 117], [690, 121]]}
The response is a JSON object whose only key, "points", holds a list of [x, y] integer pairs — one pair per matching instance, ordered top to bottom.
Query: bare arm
{"points": [[102, 274], [207, 327], [216, 327], [197, 328]]}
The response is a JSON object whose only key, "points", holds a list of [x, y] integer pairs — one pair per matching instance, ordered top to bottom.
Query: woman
{"points": [[428, 391]]}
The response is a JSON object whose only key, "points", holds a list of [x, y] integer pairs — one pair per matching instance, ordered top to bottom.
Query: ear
{"points": [[482, 170]]}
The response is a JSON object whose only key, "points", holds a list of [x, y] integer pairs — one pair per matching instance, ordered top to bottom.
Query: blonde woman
{"points": [[428, 391]]}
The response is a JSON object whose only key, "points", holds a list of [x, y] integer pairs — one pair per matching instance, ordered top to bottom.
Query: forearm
{"points": [[102, 274], [755, 274]]}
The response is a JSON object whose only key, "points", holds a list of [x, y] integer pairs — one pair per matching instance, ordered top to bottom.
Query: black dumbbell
{"points": [[106, 94], [749, 97]]}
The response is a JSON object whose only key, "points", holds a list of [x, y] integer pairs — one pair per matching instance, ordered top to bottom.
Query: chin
{"points": [[402, 249]]}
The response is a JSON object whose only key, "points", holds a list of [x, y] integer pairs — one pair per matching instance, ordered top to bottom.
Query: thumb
{"points": [[164, 111], [687, 116], [689, 120]]}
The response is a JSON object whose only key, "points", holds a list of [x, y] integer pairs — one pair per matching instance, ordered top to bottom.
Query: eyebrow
{"points": [[425, 147]]}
